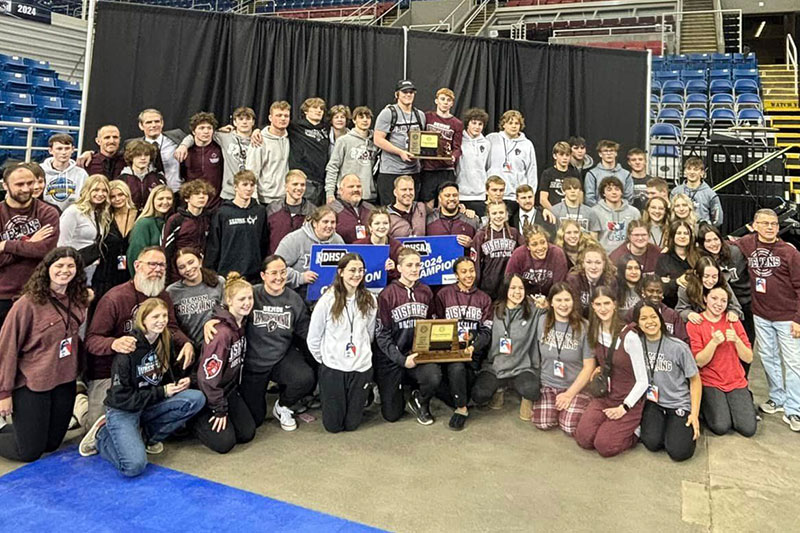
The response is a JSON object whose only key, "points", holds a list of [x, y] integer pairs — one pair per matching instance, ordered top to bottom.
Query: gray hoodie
{"points": [[352, 154], [270, 163], [472, 167], [596, 175], [62, 187], [705, 200], [614, 223], [295, 248], [522, 334], [327, 338]]}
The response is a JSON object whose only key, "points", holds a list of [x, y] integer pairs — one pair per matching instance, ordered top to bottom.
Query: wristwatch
{"points": [[625, 406]]}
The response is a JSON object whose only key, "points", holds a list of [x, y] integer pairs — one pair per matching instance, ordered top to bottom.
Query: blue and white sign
{"points": [[438, 254], [325, 257]]}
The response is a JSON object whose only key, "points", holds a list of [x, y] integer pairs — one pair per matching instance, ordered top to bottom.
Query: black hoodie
{"points": [[308, 148], [237, 240], [222, 361]]}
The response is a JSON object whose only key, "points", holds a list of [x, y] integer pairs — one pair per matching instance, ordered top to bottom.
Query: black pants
{"points": [[431, 181], [385, 183], [315, 192], [5, 307], [749, 328], [293, 375], [389, 378], [455, 384], [526, 384], [343, 395], [723, 411], [40, 422], [240, 426], [664, 428]]}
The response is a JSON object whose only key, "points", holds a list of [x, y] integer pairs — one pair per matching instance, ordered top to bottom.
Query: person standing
{"points": [[151, 123], [451, 131], [309, 139], [354, 153], [512, 155], [204, 159], [108, 160], [269, 162], [473, 165], [139, 175], [63, 177], [352, 211], [285, 216], [149, 226], [189, 226], [493, 246], [112, 270]]}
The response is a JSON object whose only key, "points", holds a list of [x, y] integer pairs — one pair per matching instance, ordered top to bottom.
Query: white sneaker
{"points": [[770, 407], [285, 416], [88, 445], [155, 448]]}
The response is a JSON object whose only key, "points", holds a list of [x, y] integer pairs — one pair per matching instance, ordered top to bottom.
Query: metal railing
{"points": [[368, 8], [481, 9], [678, 17], [450, 19], [377, 21], [430, 27], [599, 32], [791, 59], [31, 126]]}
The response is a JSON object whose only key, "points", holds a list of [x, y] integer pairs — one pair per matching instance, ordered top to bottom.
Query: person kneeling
{"points": [[340, 336], [140, 411], [670, 416], [226, 419]]}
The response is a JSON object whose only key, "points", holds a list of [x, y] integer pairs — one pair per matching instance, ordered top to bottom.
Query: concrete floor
{"points": [[501, 474]]}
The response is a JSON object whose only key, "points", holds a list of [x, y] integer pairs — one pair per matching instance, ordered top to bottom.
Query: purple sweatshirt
{"points": [[539, 275]]}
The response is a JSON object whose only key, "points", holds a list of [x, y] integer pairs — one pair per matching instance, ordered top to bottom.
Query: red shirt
{"points": [[723, 372]]}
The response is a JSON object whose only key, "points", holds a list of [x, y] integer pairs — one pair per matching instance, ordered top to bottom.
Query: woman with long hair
{"points": [[682, 209], [656, 216], [84, 224], [378, 225], [148, 227], [571, 238], [493, 245], [680, 256], [539, 263], [594, 269], [112, 270], [699, 280], [629, 284], [195, 295], [473, 309], [340, 338], [722, 350], [39, 356], [510, 362], [566, 362], [144, 404], [670, 418], [226, 419], [609, 423]]}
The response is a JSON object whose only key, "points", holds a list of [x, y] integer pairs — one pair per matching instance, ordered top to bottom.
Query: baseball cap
{"points": [[405, 85]]}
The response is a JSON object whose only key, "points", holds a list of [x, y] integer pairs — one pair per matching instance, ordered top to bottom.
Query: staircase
{"points": [[393, 15], [474, 26], [698, 30], [783, 112]]}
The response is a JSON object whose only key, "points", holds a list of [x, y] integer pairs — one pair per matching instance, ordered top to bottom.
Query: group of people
{"points": [[614, 307]]}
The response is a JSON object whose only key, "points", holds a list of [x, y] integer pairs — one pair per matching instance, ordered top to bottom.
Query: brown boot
{"points": [[497, 399], [526, 410]]}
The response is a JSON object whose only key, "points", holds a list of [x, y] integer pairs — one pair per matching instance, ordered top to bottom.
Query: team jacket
{"points": [[309, 148], [205, 163], [110, 167], [141, 186], [348, 217], [281, 221], [411, 224], [460, 224], [183, 229], [491, 250], [648, 261], [539, 275], [399, 308], [472, 309], [221, 364]]}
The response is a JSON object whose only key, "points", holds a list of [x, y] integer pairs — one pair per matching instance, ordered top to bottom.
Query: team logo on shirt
{"points": [[361, 155], [214, 158], [60, 188], [19, 227], [616, 230], [763, 262], [272, 318], [212, 366], [148, 368]]}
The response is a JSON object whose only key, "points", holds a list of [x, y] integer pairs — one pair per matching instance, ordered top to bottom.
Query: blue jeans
{"points": [[775, 343], [120, 442]]}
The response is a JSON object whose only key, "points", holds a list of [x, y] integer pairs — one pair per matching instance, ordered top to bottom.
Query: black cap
{"points": [[405, 85]]}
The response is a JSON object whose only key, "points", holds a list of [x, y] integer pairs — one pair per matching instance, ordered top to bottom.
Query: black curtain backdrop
{"points": [[183, 61]]}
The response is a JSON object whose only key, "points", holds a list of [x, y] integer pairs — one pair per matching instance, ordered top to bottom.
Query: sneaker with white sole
{"points": [[770, 407], [285, 416], [793, 421], [88, 445], [154, 448]]}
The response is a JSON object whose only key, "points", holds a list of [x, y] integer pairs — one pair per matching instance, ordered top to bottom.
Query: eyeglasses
{"points": [[769, 224], [154, 265]]}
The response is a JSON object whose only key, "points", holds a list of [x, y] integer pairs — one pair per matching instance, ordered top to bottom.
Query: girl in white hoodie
{"points": [[512, 156], [340, 338]]}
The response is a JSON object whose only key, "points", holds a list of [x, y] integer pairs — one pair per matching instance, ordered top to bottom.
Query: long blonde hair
{"points": [[122, 186], [149, 210], [100, 214], [691, 219], [583, 240], [164, 347]]}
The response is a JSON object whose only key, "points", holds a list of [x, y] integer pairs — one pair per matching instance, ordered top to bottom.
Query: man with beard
{"points": [[109, 161], [351, 210], [447, 218], [28, 230], [110, 330]]}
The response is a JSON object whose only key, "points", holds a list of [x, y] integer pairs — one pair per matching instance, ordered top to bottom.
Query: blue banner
{"points": [[438, 254], [325, 257]]}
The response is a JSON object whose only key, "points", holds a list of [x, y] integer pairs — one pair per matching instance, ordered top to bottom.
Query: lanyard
{"points": [[507, 151], [577, 214], [660, 241], [65, 319], [350, 319], [507, 324], [560, 346], [652, 367]]}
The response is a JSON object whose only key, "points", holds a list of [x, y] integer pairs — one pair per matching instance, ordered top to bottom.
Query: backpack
{"points": [[415, 114]]}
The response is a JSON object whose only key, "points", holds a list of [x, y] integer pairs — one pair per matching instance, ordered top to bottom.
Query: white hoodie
{"points": [[514, 160], [270, 163], [472, 166], [62, 187], [328, 338]]}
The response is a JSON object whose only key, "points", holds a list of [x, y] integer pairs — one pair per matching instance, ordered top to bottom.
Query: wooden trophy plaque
{"points": [[428, 145], [436, 341]]}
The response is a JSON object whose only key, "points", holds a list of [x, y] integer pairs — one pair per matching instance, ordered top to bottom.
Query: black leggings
{"points": [[292, 374], [389, 378], [526, 384], [343, 395], [723, 411], [41, 420], [240, 426], [664, 428]]}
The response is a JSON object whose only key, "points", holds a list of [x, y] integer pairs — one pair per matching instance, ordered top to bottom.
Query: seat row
{"points": [[714, 61], [45, 85], [746, 86], [701, 101], [40, 106], [718, 117]]}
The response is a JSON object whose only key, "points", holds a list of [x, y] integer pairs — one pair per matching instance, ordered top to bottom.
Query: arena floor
{"points": [[499, 474]]}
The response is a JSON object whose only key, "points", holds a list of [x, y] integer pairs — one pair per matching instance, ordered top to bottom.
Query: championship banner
{"points": [[438, 254], [325, 257]]}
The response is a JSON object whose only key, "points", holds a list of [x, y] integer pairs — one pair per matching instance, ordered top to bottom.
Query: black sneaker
{"points": [[370, 396], [419, 409], [457, 422]]}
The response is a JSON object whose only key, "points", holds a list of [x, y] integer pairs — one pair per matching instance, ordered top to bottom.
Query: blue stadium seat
{"points": [[721, 61], [745, 61], [658, 63], [13, 64], [39, 68], [719, 74], [745, 74], [666, 75], [14, 81], [44, 85], [720, 86], [655, 87], [673, 87], [696, 87], [745, 87], [70, 89], [655, 101], [672, 101], [696, 101], [722, 101], [748, 101], [20, 104], [51, 107], [670, 116], [695, 117], [750, 117], [721, 118], [665, 131], [18, 135]]}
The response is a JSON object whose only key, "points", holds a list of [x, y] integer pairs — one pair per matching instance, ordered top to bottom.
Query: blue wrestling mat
{"points": [[65, 492]]}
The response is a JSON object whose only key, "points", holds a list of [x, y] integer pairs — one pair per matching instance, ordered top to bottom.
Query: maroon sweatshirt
{"points": [[452, 131], [205, 163], [110, 167], [140, 188], [348, 218], [283, 219], [407, 224], [440, 224], [183, 229], [394, 249], [491, 251], [21, 256], [648, 261], [539, 275], [774, 278], [583, 289], [399, 308], [472, 309], [113, 318], [37, 349], [222, 362]]}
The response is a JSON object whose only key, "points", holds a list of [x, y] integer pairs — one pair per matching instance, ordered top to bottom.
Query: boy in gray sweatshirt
{"points": [[354, 153], [608, 166], [705, 200], [614, 213]]}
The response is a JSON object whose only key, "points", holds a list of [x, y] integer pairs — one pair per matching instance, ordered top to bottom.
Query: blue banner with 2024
{"points": [[438, 254]]}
